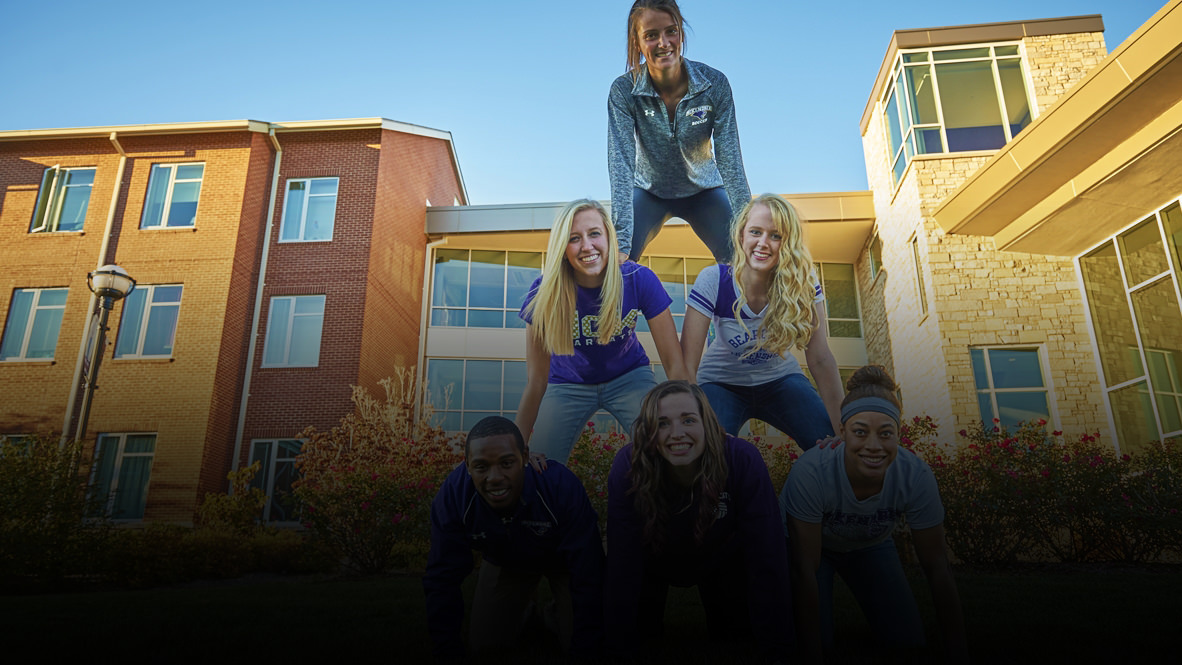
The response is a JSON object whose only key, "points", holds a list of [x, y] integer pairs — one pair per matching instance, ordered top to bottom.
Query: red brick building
{"points": [[277, 264]]}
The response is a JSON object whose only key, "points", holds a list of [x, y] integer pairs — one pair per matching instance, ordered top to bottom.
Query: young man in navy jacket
{"points": [[527, 524]]}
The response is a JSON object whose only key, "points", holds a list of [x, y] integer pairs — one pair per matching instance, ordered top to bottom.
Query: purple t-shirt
{"points": [[593, 362]]}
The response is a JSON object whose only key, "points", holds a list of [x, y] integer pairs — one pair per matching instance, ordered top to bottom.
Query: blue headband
{"points": [[875, 404]]}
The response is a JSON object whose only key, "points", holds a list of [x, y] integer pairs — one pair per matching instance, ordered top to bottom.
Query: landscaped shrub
{"points": [[591, 460], [367, 484], [240, 510], [47, 531]]}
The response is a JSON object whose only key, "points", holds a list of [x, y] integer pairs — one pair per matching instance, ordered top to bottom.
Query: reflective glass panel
{"points": [[968, 99], [1143, 252], [1111, 319]]}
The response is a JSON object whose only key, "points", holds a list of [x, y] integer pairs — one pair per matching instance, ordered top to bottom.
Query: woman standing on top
{"points": [[662, 115], [763, 305], [581, 350]]}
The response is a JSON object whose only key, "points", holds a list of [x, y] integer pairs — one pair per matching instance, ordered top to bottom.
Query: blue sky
{"points": [[521, 84]]}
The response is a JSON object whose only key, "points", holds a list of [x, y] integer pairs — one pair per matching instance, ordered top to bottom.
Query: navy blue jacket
{"points": [[554, 527]]}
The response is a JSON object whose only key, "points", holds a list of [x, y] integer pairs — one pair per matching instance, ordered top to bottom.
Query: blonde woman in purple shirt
{"points": [[582, 353]]}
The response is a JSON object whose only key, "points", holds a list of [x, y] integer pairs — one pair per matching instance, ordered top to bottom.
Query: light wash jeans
{"points": [[790, 404], [566, 407]]}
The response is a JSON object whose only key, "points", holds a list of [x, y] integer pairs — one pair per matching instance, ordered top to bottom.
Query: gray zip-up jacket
{"points": [[675, 159]]}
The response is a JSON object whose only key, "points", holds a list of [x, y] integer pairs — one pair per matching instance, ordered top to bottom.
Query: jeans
{"points": [[708, 213], [790, 404], [566, 407], [875, 576]]}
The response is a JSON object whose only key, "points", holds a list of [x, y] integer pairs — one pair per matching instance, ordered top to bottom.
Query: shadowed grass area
{"points": [[1049, 614]]}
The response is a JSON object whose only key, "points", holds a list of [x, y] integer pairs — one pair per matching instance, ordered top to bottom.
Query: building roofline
{"points": [[972, 34], [259, 126], [142, 129]]}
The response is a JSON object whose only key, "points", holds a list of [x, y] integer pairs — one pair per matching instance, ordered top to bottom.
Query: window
{"points": [[954, 99], [173, 190], [63, 200], [309, 210], [875, 256], [677, 275], [1130, 284], [919, 287], [481, 289], [841, 299], [34, 320], [148, 325], [293, 331], [1010, 385], [461, 392], [16, 445], [123, 463], [278, 470]]}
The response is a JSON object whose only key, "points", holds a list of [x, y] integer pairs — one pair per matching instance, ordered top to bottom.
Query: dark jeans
{"points": [[708, 213], [790, 404]]}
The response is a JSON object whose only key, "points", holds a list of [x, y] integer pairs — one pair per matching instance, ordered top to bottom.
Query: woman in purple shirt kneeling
{"points": [[690, 505]]}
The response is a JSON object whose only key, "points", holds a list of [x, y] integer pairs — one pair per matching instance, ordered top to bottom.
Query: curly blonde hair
{"points": [[552, 310], [789, 319], [653, 486]]}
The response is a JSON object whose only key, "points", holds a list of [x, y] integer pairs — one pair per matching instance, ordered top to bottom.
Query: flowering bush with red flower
{"points": [[591, 460], [366, 485], [1024, 494]]}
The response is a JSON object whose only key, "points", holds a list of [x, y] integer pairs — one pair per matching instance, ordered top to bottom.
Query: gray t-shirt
{"points": [[818, 491]]}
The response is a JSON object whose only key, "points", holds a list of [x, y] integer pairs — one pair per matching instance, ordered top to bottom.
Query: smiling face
{"points": [[659, 39], [761, 239], [587, 248], [680, 439], [871, 445], [497, 467]]}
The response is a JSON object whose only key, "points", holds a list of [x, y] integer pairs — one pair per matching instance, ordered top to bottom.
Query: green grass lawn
{"points": [[1052, 614]]}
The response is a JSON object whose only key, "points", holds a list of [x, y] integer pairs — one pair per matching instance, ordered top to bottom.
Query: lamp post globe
{"points": [[109, 283]]}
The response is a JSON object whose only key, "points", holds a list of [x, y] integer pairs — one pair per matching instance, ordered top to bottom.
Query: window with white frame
{"points": [[954, 99], [173, 190], [62, 200], [309, 210], [875, 256], [677, 275], [481, 288], [920, 290], [842, 311], [34, 320], [294, 325], [147, 328], [1011, 385], [461, 392], [15, 445], [122, 468], [277, 472]]}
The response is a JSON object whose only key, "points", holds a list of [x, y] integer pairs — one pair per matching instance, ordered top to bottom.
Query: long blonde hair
{"points": [[635, 63], [552, 310], [788, 321], [653, 486]]}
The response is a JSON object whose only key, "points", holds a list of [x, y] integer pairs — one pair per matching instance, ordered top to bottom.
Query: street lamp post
{"points": [[109, 283]]}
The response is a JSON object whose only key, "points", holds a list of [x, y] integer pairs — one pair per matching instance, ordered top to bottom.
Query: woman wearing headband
{"points": [[843, 503]]}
